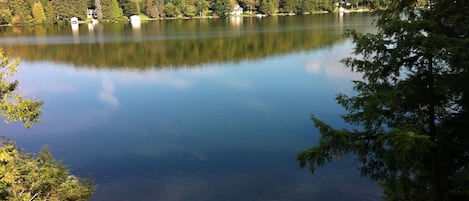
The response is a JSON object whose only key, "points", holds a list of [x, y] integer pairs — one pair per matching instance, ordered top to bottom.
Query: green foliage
{"points": [[248, 5], [290, 6], [306, 6], [130, 7], [202, 7], [268, 7], [189, 8], [222, 8], [66, 9], [111, 9], [171, 10], [21, 12], [5, 13], [38, 13], [51, 14], [5, 16], [13, 106], [411, 106], [24, 177]]}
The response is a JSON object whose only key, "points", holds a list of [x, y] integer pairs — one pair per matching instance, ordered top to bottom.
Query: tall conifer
{"points": [[411, 108]]}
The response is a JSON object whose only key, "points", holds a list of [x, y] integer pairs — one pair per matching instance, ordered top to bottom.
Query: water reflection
{"points": [[236, 21], [135, 22], [136, 31], [75, 33], [182, 43], [326, 63], [107, 95], [213, 132]]}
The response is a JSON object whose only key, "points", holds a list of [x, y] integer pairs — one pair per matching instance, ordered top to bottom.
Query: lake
{"points": [[202, 109]]}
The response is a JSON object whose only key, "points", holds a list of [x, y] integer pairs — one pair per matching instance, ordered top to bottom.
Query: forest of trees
{"points": [[20, 12]]}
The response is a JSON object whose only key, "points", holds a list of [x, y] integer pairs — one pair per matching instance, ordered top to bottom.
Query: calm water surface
{"points": [[191, 109]]}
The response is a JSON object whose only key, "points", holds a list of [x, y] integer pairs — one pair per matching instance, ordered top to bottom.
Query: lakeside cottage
{"points": [[237, 10], [92, 14], [74, 21]]}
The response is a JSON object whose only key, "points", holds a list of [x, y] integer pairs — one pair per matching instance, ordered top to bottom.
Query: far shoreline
{"points": [[145, 18]]}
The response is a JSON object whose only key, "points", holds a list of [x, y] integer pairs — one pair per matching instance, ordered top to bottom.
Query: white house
{"points": [[237, 10], [90, 13], [74, 20], [135, 21], [75, 25]]}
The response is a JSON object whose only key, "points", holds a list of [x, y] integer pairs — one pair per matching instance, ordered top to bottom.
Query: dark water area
{"points": [[212, 109]]}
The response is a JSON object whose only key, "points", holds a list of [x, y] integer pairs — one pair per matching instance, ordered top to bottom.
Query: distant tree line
{"points": [[19, 12], [186, 52]]}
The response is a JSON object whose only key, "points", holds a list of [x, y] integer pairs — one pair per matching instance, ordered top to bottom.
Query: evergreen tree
{"points": [[250, 4], [326, 5], [290, 6], [307, 6], [130, 7], [202, 7], [268, 7], [78, 8], [222, 8], [66, 9], [111, 9], [171, 10], [190, 11], [115, 12], [51, 15], [411, 107]]}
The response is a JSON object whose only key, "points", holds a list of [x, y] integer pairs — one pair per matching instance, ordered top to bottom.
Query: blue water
{"points": [[212, 131]]}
